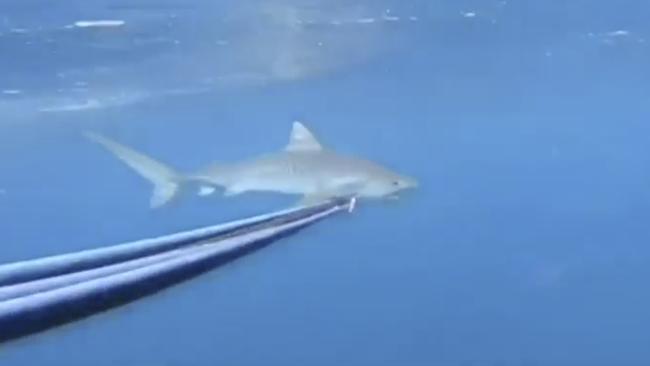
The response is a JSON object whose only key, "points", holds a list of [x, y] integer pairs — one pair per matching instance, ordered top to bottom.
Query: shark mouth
{"points": [[44, 293]]}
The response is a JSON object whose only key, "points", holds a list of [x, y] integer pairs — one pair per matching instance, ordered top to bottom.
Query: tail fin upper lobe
{"points": [[166, 181]]}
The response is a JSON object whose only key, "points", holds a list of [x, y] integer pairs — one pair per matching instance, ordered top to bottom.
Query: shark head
{"points": [[362, 178], [386, 184]]}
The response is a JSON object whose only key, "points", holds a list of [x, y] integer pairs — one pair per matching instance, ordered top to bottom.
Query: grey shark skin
{"points": [[304, 167]]}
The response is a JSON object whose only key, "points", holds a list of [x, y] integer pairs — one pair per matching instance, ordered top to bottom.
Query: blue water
{"points": [[526, 123]]}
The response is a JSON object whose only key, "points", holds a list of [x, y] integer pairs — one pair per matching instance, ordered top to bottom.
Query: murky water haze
{"points": [[525, 122]]}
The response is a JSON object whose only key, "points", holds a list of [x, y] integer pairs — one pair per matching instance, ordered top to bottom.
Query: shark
{"points": [[304, 167]]}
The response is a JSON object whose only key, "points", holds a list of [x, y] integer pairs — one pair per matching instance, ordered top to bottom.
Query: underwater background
{"points": [[527, 124]]}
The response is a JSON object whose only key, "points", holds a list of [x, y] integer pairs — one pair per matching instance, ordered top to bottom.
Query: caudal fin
{"points": [[165, 180]]}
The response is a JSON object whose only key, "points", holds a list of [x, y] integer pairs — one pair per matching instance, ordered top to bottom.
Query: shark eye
{"points": [[396, 183]]}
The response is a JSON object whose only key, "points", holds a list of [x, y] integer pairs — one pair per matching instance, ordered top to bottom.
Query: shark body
{"points": [[304, 167]]}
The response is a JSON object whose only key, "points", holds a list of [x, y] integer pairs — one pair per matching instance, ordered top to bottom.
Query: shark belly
{"points": [[272, 178], [279, 184]]}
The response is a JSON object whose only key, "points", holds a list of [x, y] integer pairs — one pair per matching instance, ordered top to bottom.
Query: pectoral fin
{"points": [[348, 188]]}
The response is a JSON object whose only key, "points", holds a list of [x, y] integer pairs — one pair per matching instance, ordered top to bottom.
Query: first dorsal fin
{"points": [[302, 139]]}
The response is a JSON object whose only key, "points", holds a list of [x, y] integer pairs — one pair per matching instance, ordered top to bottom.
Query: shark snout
{"points": [[410, 182], [402, 184]]}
